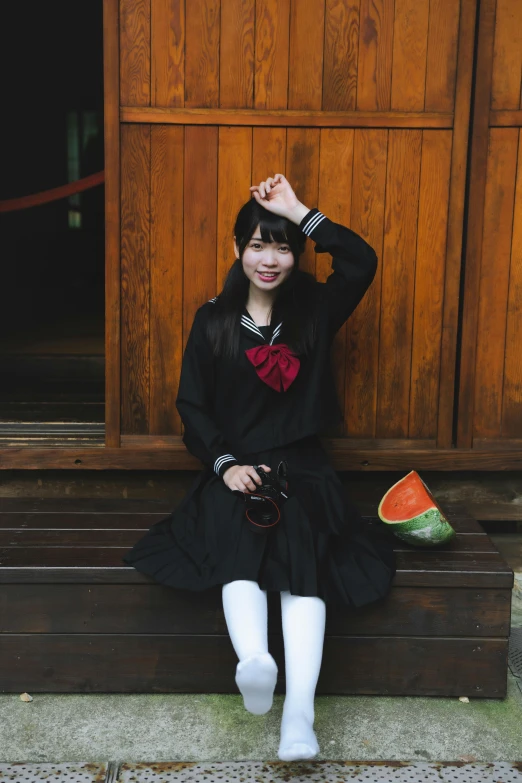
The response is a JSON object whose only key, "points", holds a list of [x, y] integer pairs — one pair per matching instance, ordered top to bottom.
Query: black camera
{"points": [[262, 506]]}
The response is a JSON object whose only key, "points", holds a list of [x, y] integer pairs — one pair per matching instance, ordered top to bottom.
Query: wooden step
{"points": [[75, 618]]}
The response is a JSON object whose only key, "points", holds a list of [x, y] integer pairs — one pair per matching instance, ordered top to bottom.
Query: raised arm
{"points": [[354, 261], [354, 264], [194, 402]]}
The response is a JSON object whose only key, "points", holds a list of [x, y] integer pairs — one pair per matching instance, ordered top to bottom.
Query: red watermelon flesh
{"points": [[414, 513]]}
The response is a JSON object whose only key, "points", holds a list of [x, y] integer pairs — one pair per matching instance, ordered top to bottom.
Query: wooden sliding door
{"points": [[364, 106]]}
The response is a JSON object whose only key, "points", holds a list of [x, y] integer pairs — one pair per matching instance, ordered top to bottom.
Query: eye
{"points": [[255, 244], [284, 247]]}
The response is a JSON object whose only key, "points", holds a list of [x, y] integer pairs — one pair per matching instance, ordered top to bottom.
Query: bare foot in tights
{"points": [[256, 678], [298, 740]]}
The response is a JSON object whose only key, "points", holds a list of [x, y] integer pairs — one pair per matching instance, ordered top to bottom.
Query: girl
{"points": [[255, 389]]}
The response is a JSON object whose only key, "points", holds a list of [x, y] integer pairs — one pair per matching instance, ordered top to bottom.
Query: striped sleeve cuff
{"points": [[310, 221], [223, 463]]}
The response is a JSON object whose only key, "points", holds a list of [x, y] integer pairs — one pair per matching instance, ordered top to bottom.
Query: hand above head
{"points": [[276, 195], [243, 477]]}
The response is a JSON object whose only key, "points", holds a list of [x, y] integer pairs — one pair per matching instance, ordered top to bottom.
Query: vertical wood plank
{"points": [[410, 43], [341, 44], [135, 52], [168, 53], [202, 54], [271, 54], [306, 55], [507, 55], [236, 67], [374, 68], [441, 68], [111, 120], [268, 153], [302, 166], [234, 180], [335, 184], [457, 198], [335, 199], [367, 219], [199, 220], [475, 222], [400, 238], [135, 250], [166, 276], [494, 280], [429, 283], [512, 393]]}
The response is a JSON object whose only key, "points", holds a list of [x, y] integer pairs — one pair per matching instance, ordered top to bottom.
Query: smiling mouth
{"points": [[268, 276]]}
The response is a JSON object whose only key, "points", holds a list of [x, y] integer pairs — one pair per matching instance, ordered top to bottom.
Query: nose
{"points": [[269, 259]]}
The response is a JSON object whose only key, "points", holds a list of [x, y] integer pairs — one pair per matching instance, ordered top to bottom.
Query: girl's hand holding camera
{"points": [[243, 477]]}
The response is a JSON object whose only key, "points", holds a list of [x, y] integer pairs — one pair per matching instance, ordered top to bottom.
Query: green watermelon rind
{"points": [[427, 529]]}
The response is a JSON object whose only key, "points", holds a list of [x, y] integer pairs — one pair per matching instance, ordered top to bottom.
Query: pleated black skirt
{"points": [[319, 547]]}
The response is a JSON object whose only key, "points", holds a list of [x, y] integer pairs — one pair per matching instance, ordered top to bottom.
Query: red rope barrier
{"points": [[13, 204]]}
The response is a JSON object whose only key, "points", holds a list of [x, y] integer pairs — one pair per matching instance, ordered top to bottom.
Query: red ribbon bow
{"points": [[276, 365]]}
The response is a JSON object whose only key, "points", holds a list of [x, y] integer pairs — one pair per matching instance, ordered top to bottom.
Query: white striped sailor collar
{"points": [[250, 327]]}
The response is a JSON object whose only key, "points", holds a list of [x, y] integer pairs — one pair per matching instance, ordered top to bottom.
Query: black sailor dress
{"points": [[321, 546]]}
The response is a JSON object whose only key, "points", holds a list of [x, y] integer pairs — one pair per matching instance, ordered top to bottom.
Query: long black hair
{"points": [[296, 299]]}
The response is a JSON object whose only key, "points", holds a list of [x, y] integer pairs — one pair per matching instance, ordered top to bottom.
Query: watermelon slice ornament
{"points": [[410, 510]]}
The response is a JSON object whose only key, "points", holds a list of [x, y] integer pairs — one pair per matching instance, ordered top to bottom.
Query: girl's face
{"points": [[266, 264]]}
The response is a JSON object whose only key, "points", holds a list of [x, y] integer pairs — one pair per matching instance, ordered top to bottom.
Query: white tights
{"points": [[303, 623]]}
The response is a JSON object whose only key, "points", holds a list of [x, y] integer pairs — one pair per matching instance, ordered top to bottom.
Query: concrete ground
{"points": [[184, 727]]}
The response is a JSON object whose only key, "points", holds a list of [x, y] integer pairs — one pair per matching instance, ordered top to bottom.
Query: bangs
{"points": [[274, 230]]}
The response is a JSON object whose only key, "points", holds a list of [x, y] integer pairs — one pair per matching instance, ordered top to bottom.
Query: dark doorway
{"points": [[52, 272]]}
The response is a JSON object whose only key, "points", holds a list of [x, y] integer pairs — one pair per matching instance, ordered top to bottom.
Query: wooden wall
{"points": [[364, 106], [367, 107], [490, 409]]}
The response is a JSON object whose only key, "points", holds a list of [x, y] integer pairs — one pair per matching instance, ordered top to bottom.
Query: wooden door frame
{"points": [[111, 59], [456, 211], [475, 222]]}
